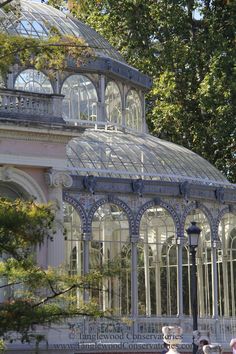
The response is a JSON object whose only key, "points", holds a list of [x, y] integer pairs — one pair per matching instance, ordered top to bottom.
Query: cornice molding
{"points": [[37, 134], [33, 161], [158, 188]]}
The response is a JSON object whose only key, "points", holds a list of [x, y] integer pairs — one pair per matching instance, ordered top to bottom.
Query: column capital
{"points": [[56, 179], [87, 236], [134, 238], [181, 241], [216, 243]]}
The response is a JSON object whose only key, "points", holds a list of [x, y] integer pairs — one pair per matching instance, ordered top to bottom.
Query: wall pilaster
{"points": [[56, 180]]}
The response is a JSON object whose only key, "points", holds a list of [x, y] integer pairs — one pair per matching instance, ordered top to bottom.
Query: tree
{"points": [[188, 47], [31, 295]]}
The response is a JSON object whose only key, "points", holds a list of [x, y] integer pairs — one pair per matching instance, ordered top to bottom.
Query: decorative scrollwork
{"points": [[58, 178], [89, 183], [138, 187], [184, 190], [220, 195], [113, 200], [157, 200], [165, 206], [228, 209], [80, 210], [206, 212]]}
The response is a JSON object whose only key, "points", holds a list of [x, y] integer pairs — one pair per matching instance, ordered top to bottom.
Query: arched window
{"points": [[33, 81], [80, 102], [113, 103], [133, 111], [110, 249], [157, 264], [204, 266]]}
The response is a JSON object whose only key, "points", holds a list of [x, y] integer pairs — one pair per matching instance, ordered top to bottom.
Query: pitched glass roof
{"points": [[36, 20], [123, 155]]}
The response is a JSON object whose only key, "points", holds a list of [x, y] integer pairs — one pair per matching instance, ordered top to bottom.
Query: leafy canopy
{"points": [[31, 295]]}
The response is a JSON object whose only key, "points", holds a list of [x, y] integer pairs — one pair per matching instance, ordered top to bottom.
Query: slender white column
{"points": [[10, 80], [123, 102], [101, 103], [144, 124], [56, 180], [86, 240], [180, 241], [224, 269], [134, 276], [147, 279], [214, 280], [158, 283], [232, 284], [226, 285], [202, 312]]}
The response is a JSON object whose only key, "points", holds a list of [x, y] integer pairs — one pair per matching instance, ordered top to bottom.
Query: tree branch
{"points": [[2, 4], [10, 284], [50, 297]]}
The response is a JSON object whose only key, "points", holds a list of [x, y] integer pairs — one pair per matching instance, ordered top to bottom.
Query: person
{"points": [[201, 345], [233, 345], [165, 348]]}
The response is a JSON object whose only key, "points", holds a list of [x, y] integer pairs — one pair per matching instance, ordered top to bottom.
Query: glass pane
{"points": [[31, 28], [33, 81], [80, 102], [113, 103], [133, 111], [133, 156], [73, 241], [110, 249], [226, 260], [157, 264], [204, 265]]}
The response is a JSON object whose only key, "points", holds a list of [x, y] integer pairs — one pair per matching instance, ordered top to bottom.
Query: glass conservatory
{"points": [[126, 197]]}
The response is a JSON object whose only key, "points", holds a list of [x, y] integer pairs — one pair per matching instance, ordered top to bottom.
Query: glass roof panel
{"points": [[36, 19], [118, 154]]}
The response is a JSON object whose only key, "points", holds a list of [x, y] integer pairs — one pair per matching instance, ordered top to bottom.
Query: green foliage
{"points": [[51, 53], [192, 59], [23, 225], [33, 295]]}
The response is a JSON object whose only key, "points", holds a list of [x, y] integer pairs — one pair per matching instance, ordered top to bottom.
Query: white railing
{"points": [[30, 103]]}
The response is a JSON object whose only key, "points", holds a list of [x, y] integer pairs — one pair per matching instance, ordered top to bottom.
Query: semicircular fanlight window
{"points": [[33, 81], [80, 102]]}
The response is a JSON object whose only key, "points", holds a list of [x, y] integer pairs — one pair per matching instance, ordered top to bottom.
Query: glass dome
{"points": [[37, 19], [123, 155]]}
